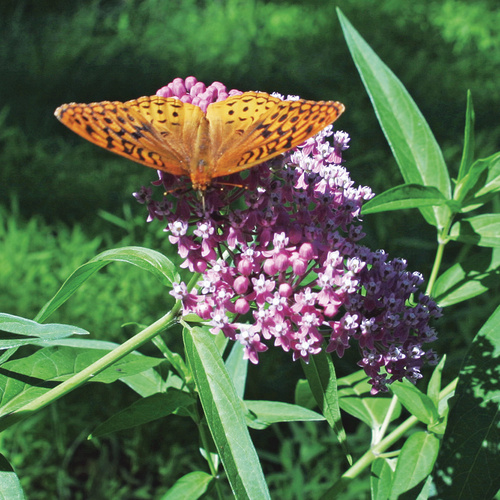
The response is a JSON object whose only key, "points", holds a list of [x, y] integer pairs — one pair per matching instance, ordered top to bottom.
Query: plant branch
{"points": [[91, 371]]}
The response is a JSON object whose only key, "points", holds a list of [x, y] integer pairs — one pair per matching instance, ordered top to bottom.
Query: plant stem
{"points": [[442, 241], [435, 268], [91, 371], [206, 441], [373, 453]]}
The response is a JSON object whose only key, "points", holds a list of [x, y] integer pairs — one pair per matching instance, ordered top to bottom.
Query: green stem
{"points": [[442, 241], [435, 268], [91, 371], [387, 419], [206, 443], [376, 451]]}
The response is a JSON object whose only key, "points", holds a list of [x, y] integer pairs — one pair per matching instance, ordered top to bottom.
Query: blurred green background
{"points": [[62, 200]]}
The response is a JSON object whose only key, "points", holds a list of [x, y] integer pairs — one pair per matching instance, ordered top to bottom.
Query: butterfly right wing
{"points": [[254, 127], [155, 131]]}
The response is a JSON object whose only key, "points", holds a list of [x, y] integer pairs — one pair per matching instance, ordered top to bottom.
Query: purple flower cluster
{"points": [[277, 249]]}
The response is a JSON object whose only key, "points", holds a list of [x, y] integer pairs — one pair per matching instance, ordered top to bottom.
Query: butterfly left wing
{"points": [[253, 127], [155, 131]]}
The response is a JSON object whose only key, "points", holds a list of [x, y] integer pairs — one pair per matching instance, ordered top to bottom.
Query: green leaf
{"points": [[413, 145], [468, 150], [492, 181], [480, 185], [468, 186], [404, 196], [481, 230], [144, 258], [462, 281], [41, 334], [175, 359], [60, 363], [237, 368], [38, 373], [320, 373], [149, 382], [145, 383], [434, 387], [18, 391], [303, 395], [355, 399], [416, 402], [145, 410], [265, 413], [224, 415], [469, 459], [415, 462], [382, 472], [10, 486], [191, 486], [425, 491]]}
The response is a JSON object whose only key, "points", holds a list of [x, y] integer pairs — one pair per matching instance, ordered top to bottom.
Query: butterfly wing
{"points": [[253, 127], [155, 131]]}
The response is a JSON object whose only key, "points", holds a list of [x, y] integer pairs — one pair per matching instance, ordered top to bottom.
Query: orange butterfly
{"points": [[179, 138]]}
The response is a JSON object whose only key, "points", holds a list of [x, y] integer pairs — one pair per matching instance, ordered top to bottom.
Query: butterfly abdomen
{"points": [[202, 160]]}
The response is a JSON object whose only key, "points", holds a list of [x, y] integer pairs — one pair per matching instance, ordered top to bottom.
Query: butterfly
{"points": [[167, 134]]}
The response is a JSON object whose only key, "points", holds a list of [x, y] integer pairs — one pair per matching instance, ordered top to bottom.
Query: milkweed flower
{"points": [[280, 260]]}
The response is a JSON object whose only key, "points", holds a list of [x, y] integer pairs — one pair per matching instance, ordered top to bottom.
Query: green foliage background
{"points": [[54, 186]]}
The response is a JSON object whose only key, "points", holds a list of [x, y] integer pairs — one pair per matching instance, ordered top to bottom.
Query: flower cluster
{"points": [[278, 253]]}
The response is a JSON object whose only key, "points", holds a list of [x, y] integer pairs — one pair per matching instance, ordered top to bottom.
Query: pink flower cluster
{"points": [[194, 92], [280, 261]]}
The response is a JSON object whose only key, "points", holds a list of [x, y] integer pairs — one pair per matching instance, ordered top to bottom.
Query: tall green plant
{"points": [[433, 450]]}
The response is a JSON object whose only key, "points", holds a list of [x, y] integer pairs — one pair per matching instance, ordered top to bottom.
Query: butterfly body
{"points": [[179, 138]]}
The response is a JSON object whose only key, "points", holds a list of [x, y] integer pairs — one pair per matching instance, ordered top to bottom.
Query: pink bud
{"points": [[190, 82], [178, 87], [198, 89], [165, 92], [306, 251], [282, 262], [199, 265], [245, 267], [269, 267], [299, 267], [240, 284], [285, 290], [241, 306]]}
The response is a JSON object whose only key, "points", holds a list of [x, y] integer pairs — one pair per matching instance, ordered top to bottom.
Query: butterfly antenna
{"points": [[230, 184]]}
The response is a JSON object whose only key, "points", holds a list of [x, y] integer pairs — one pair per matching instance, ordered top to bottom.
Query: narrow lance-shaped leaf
{"points": [[414, 147], [468, 150], [481, 183], [404, 196], [482, 230], [146, 259], [463, 281], [37, 333], [320, 373], [265, 413], [224, 415], [193, 485]]}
